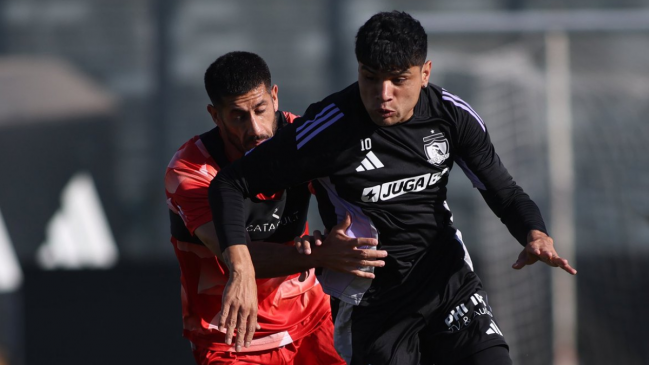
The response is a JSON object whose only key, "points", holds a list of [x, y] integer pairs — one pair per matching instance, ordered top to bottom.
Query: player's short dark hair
{"points": [[391, 41], [234, 74]]}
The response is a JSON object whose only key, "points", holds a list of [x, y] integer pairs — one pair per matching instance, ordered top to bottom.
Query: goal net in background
{"points": [[503, 77], [505, 86], [611, 115]]}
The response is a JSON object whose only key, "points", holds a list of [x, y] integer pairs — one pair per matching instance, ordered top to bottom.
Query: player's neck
{"points": [[231, 152]]}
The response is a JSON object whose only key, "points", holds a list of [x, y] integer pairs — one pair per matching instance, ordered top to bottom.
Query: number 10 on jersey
{"points": [[366, 144]]}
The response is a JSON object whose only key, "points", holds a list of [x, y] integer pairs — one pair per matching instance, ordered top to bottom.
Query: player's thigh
{"points": [[464, 325], [384, 336], [318, 347]]}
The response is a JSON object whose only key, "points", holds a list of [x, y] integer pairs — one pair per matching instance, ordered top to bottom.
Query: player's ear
{"points": [[425, 73], [273, 94], [214, 113]]}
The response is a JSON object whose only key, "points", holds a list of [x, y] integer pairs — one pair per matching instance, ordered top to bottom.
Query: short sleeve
{"points": [[186, 185]]}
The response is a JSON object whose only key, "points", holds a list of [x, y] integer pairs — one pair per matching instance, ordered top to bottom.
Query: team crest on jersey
{"points": [[436, 148]]}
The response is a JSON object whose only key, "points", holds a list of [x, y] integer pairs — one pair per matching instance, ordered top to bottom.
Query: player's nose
{"points": [[386, 91], [254, 125], [255, 128]]}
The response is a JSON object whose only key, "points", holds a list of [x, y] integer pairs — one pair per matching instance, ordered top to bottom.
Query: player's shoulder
{"points": [[450, 99], [348, 100], [430, 103], [343, 104], [452, 105], [290, 117], [330, 120], [191, 152], [190, 165]]}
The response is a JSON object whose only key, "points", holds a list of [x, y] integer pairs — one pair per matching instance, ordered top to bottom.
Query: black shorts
{"points": [[446, 320]]}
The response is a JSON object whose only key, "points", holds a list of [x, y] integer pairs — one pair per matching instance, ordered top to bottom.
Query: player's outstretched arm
{"points": [[540, 247], [342, 253]]}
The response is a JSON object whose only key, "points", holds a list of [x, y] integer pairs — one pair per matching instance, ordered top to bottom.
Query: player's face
{"points": [[390, 97], [247, 120]]}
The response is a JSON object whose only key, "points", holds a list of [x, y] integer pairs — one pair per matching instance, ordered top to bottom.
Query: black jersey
{"points": [[392, 180]]}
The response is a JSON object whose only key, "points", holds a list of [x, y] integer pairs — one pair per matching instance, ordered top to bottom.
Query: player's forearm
{"points": [[517, 211], [521, 215], [237, 259], [269, 259], [275, 260]]}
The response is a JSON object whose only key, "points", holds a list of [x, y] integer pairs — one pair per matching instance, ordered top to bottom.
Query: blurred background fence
{"points": [[96, 96]]}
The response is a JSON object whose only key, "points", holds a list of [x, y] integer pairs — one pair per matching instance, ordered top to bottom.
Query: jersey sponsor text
{"points": [[393, 189]]}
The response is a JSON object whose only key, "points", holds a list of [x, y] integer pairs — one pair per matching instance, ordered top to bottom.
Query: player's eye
{"points": [[369, 77], [399, 80], [238, 118]]}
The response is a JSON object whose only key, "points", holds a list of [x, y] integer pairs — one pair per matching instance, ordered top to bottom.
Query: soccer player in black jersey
{"points": [[381, 150]]}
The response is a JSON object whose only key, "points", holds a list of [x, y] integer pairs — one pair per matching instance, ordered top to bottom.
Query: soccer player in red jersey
{"points": [[294, 315]]}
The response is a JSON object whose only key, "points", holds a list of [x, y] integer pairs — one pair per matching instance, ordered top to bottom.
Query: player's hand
{"points": [[303, 244], [540, 247], [342, 253], [239, 302]]}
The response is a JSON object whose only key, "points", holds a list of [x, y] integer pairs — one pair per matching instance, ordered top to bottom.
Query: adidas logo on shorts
{"points": [[493, 329]]}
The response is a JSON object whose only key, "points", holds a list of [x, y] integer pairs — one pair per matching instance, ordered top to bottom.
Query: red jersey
{"points": [[288, 309]]}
